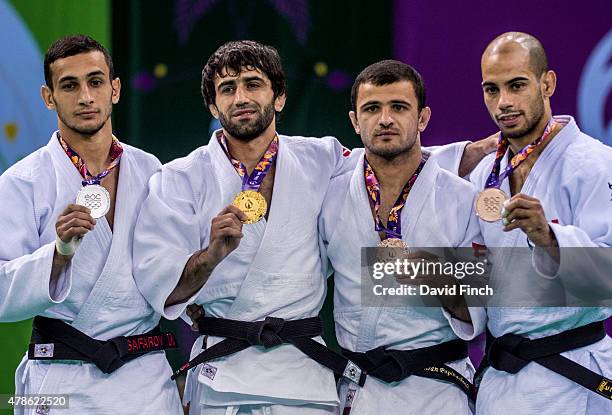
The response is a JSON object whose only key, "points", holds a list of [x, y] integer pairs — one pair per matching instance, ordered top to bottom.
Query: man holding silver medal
{"points": [[398, 196], [68, 214], [549, 360]]}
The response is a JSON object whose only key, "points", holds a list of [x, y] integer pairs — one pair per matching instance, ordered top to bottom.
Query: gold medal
{"points": [[252, 203], [489, 204]]}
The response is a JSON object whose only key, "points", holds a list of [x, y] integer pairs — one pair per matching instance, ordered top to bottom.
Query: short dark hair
{"points": [[70, 46], [233, 56], [388, 72]]}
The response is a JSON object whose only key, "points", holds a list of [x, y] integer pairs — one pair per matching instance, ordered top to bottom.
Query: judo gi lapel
{"points": [[551, 154], [417, 197], [278, 227], [117, 239], [366, 336]]}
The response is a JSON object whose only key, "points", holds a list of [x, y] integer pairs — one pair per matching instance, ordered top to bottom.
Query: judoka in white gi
{"points": [[389, 114], [560, 198], [191, 246], [91, 288]]}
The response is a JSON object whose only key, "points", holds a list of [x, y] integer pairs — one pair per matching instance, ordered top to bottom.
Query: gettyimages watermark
{"points": [[482, 277]]}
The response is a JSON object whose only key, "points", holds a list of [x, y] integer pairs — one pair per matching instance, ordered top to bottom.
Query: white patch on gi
{"points": [[43, 350], [209, 371]]}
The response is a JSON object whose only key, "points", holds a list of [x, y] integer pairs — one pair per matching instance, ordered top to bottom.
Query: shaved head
{"points": [[511, 41]]}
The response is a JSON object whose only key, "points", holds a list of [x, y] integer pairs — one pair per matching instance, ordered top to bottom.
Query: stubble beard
{"points": [[537, 111], [251, 130], [391, 153]]}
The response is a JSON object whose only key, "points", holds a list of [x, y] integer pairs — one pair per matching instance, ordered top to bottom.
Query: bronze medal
{"points": [[252, 203], [489, 204], [392, 243], [390, 249]]}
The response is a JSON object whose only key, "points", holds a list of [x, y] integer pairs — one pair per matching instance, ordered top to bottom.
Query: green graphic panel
{"points": [[51, 19]]}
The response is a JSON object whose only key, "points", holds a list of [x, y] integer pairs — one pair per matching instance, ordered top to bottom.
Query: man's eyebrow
{"points": [[74, 78], [225, 83], [371, 102]]}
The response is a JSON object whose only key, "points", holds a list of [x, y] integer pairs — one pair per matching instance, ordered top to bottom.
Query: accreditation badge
{"points": [[96, 198], [252, 203]]}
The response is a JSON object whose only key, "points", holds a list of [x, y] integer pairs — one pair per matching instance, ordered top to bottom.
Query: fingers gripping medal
{"points": [[96, 198], [249, 200], [489, 201], [252, 203]]}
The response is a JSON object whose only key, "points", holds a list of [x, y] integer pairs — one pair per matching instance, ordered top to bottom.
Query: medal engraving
{"points": [[96, 198], [252, 203], [489, 204], [391, 249]]}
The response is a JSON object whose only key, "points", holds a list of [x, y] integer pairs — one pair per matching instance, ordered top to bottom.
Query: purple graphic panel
{"points": [[445, 39]]}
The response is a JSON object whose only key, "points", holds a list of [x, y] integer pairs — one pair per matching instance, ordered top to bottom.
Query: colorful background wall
{"points": [[160, 47]]}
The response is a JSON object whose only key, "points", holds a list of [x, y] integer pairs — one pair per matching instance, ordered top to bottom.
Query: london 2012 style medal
{"points": [[96, 198], [252, 203], [489, 204]]}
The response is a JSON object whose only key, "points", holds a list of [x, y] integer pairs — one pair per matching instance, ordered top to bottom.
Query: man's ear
{"points": [[116, 84], [549, 84], [47, 96], [279, 102], [214, 110], [424, 118], [354, 121]]}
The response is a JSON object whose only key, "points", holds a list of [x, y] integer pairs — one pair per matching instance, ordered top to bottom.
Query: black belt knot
{"points": [[266, 332], [270, 332], [511, 352], [504, 353], [108, 357]]}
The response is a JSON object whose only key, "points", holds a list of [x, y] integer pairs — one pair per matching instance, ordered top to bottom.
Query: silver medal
{"points": [[96, 198]]}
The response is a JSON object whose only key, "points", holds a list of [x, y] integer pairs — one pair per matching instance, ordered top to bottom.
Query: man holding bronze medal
{"points": [[544, 190], [398, 197], [68, 213]]}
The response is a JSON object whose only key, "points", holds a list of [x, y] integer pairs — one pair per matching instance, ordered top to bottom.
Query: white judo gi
{"points": [[571, 178], [437, 213], [275, 271], [96, 292]]}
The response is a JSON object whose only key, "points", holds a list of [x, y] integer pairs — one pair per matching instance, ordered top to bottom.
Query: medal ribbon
{"points": [[115, 155], [495, 179], [254, 180], [394, 224]]}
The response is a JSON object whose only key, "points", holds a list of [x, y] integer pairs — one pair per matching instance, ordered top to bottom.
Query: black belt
{"points": [[272, 331], [55, 340], [511, 352], [392, 365]]}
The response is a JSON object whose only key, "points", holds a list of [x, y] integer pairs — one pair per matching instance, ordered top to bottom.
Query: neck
{"points": [[517, 144], [93, 149], [250, 152], [393, 174]]}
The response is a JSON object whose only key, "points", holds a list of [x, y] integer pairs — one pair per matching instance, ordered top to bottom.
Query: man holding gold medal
{"points": [[545, 189], [398, 196], [68, 211], [233, 226]]}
